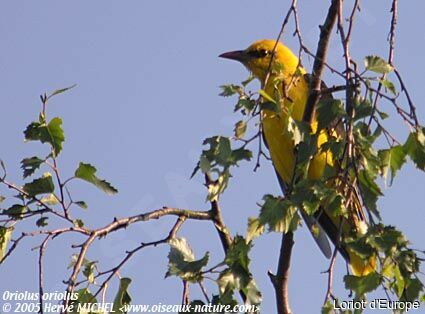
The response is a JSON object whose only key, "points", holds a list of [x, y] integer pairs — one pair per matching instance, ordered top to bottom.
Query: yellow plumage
{"points": [[293, 92]]}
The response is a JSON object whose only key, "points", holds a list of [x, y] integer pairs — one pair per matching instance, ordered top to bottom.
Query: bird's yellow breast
{"points": [[280, 143]]}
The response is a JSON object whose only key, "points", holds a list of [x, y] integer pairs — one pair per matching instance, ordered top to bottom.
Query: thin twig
{"points": [[42, 249], [115, 270], [185, 295]]}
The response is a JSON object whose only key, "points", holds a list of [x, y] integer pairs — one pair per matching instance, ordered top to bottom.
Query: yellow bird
{"points": [[293, 90]]}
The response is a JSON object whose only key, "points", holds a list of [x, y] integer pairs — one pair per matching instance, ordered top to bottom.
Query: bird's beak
{"points": [[238, 55]]}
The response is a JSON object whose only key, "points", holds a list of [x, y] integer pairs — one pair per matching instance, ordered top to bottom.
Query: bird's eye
{"points": [[258, 53]]}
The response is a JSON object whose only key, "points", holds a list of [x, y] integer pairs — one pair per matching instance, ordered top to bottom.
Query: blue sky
{"points": [[148, 81]]}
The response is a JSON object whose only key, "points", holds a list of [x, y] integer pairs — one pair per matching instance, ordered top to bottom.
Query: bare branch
{"points": [[319, 62], [42, 249], [115, 270], [280, 280], [185, 295]]}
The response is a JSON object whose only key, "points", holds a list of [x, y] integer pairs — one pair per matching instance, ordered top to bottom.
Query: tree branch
{"points": [[319, 62], [280, 280]]}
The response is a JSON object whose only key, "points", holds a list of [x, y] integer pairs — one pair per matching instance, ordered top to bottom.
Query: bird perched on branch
{"points": [[270, 63]]}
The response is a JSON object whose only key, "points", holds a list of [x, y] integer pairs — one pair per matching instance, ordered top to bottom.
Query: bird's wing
{"points": [[357, 215], [312, 223]]}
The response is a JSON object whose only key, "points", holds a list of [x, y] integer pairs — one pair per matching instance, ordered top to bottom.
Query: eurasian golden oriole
{"points": [[294, 87]]}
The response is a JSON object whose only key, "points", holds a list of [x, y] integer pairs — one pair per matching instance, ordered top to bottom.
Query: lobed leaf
{"points": [[377, 64], [389, 86], [328, 111], [51, 133], [415, 148], [30, 165], [42, 185], [279, 214], [255, 229], [182, 262], [363, 284]]}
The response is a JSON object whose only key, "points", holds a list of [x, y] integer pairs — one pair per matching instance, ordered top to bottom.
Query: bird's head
{"points": [[257, 58]]}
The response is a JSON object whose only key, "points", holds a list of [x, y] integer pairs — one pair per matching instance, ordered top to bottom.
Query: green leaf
{"points": [[377, 64], [250, 78], [389, 85], [231, 89], [61, 90], [266, 96], [246, 104], [270, 105], [362, 109], [328, 111], [382, 115], [240, 129], [298, 130], [36, 131], [51, 133], [56, 134], [415, 148], [306, 149], [220, 150], [221, 153], [240, 154], [218, 159], [392, 159], [204, 164], [30, 165], [3, 167], [87, 173], [42, 185], [217, 188], [370, 190], [310, 194], [2, 198], [50, 199], [81, 204], [336, 206], [15, 211], [279, 214], [42, 222], [78, 223], [255, 229], [5, 235], [386, 239], [359, 247], [237, 254], [407, 261], [182, 262], [88, 271], [230, 280], [364, 284], [413, 288], [253, 295], [122, 297], [85, 298], [328, 308]]}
